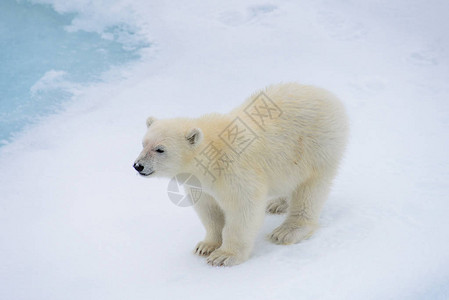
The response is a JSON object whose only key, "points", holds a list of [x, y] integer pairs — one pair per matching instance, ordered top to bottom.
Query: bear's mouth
{"points": [[146, 174]]}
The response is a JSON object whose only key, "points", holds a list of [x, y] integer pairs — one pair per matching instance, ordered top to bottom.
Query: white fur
{"points": [[288, 166]]}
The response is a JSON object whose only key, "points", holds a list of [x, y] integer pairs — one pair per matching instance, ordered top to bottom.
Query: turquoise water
{"points": [[33, 42]]}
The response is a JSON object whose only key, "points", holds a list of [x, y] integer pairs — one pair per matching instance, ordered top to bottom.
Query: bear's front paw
{"points": [[287, 234], [204, 248], [223, 258]]}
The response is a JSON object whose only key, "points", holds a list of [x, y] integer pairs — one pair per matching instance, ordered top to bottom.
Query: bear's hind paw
{"points": [[277, 207], [287, 235], [204, 249]]}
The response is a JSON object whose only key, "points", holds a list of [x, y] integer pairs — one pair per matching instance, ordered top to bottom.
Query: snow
{"points": [[77, 222]]}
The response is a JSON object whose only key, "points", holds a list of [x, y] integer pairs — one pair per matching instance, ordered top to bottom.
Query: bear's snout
{"points": [[139, 168]]}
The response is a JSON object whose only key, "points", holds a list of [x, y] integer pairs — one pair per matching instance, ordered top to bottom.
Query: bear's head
{"points": [[168, 147]]}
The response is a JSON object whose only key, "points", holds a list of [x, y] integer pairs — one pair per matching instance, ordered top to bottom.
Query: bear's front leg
{"points": [[212, 218], [243, 218]]}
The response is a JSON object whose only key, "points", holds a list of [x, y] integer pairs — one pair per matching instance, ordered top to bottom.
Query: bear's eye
{"points": [[159, 150]]}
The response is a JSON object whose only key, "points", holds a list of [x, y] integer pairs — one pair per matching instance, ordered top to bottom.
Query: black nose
{"points": [[139, 168]]}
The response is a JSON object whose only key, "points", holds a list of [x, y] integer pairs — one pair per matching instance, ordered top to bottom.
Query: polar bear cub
{"points": [[277, 152]]}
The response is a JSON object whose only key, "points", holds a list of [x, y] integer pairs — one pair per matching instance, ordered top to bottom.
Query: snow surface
{"points": [[76, 222]]}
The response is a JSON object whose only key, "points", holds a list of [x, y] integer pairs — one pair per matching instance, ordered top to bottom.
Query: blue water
{"points": [[32, 42]]}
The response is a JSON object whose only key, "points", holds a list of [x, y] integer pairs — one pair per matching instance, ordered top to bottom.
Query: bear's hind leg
{"points": [[278, 206], [304, 210], [212, 218]]}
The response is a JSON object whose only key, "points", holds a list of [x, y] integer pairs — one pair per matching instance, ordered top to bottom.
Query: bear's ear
{"points": [[150, 121], [194, 136]]}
